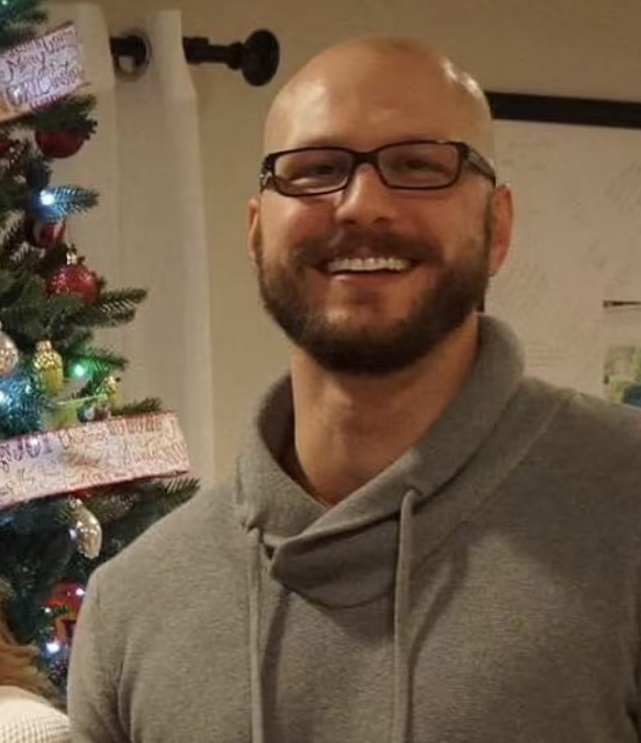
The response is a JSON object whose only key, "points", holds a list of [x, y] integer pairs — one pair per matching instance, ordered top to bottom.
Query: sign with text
{"points": [[38, 72]]}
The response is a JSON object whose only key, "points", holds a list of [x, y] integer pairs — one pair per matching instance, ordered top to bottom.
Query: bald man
{"points": [[421, 544]]}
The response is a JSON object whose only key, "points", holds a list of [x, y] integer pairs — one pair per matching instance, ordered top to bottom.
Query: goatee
{"points": [[459, 289]]}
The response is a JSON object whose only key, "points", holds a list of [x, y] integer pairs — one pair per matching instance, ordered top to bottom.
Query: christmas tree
{"points": [[73, 490]]}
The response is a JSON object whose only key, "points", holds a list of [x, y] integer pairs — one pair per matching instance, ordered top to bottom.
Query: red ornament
{"points": [[60, 144], [5, 146], [46, 234], [74, 278], [66, 597]]}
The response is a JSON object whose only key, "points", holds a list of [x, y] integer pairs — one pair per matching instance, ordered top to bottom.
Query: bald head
{"points": [[390, 88]]}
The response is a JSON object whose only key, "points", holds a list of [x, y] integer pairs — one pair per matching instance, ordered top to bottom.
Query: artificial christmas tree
{"points": [[81, 475]]}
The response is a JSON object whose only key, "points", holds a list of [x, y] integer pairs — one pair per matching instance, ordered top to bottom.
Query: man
{"points": [[420, 543]]}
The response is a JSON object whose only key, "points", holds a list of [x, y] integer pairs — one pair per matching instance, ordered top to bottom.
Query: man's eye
{"points": [[418, 165], [315, 170]]}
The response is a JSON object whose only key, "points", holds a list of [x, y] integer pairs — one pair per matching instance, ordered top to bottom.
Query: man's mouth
{"points": [[370, 264]]}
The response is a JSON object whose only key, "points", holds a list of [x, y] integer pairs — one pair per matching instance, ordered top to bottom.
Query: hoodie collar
{"points": [[346, 556]]}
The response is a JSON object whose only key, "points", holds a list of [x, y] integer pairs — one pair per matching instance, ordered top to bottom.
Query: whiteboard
{"points": [[576, 243]]}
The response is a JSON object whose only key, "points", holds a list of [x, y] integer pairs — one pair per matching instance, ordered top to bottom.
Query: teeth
{"points": [[367, 264]]}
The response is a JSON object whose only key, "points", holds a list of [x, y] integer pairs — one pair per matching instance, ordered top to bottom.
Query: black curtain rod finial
{"points": [[257, 58]]}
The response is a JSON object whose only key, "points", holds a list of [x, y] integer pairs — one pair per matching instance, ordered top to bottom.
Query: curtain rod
{"points": [[257, 57], [565, 110]]}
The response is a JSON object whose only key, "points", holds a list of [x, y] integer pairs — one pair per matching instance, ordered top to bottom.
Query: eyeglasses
{"points": [[420, 165]]}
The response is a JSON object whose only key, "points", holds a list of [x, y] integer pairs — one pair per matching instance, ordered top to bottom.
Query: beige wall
{"points": [[570, 47]]}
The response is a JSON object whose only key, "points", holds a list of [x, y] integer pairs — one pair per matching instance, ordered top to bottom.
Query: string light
{"points": [[47, 198], [79, 370], [54, 647]]}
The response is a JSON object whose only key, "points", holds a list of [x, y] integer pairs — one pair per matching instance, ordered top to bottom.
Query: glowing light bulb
{"points": [[47, 198], [78, 370], [53, 647]]}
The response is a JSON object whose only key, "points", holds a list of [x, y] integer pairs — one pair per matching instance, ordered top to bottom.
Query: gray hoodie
{"points": [[482, 589]]}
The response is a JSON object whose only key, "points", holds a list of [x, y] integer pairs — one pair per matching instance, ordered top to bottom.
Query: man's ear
{"points": [[502, 214], [253, 229]]}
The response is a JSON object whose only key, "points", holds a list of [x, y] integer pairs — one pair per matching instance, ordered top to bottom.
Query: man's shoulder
{"points": [[591, 413], [597, 431], [176, 539]]}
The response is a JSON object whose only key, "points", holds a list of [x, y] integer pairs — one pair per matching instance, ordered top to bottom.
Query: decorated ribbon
{"points": [[118, 449]]}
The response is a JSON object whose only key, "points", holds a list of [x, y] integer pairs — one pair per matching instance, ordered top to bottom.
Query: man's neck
{"points": [[350, 428]]}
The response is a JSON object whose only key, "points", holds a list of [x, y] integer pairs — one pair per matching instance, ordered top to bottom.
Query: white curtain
{"points": [[149, 228]]}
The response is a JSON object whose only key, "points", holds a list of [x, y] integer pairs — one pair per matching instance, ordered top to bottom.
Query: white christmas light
{"points": [[47, 198]]}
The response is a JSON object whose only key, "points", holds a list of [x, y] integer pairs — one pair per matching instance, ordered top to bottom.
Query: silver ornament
{"points": [[9, 355], [85, 529]]}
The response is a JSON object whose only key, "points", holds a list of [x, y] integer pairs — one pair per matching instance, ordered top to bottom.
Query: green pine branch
{"points": [[22, 12], [18, 21], [69, 115], [24, 159], [14, 194], [64, 201], [12, 239], [7, 283], [113, 308], [21, 314], [67, 340], [103, 361], [140, 407]]}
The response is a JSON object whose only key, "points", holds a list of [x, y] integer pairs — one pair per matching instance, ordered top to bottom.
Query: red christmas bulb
{"points": [[60, 144], [46, 234], [74, 278], [66, 600]]}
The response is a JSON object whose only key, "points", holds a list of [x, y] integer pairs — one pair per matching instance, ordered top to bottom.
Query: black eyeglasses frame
{"points": [[466, 155]]}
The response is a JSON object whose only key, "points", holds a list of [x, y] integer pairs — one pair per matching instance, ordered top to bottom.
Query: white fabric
{"points": [[149, 228], [25, 718]]}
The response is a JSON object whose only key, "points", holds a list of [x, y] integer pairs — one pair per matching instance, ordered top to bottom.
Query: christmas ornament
{"points": [[40, 71], [60, 144], [5, 146], [46, 234], [74, 278], [8, 354], [48, 365], [111, 388], [21, 404], [94, 409], [85, 529], [65, 600]]}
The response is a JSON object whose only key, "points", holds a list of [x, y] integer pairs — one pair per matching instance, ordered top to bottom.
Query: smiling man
{"points": [[421, 543]]}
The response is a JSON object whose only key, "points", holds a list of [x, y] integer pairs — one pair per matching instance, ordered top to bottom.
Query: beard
{"points": [[459, 290]]}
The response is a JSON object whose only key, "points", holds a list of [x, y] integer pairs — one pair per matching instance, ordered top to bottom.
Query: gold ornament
{"points": [[9, 355], [48, 364], [111, 388], [85, 529]]}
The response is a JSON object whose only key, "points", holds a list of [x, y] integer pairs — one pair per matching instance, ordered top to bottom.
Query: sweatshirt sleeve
{"points": [[92, 690]]}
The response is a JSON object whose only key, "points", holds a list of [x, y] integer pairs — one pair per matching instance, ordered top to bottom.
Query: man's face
{"points": [[369, 280]]}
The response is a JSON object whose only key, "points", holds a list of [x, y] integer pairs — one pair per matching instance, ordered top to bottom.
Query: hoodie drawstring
{"points": [[254, 583], [401, 612], [401, 691]]}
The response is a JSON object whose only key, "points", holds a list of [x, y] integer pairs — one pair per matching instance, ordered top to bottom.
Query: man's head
{"points": [[364, 267]]}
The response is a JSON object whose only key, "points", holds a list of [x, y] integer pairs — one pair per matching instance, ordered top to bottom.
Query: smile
{"points": [[367, 265]]}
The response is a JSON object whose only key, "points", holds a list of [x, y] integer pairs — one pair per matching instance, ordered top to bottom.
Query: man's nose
{"points": [[366, 200]]}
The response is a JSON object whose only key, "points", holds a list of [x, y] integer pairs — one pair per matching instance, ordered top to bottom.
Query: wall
{"points": [[567, 47]]}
